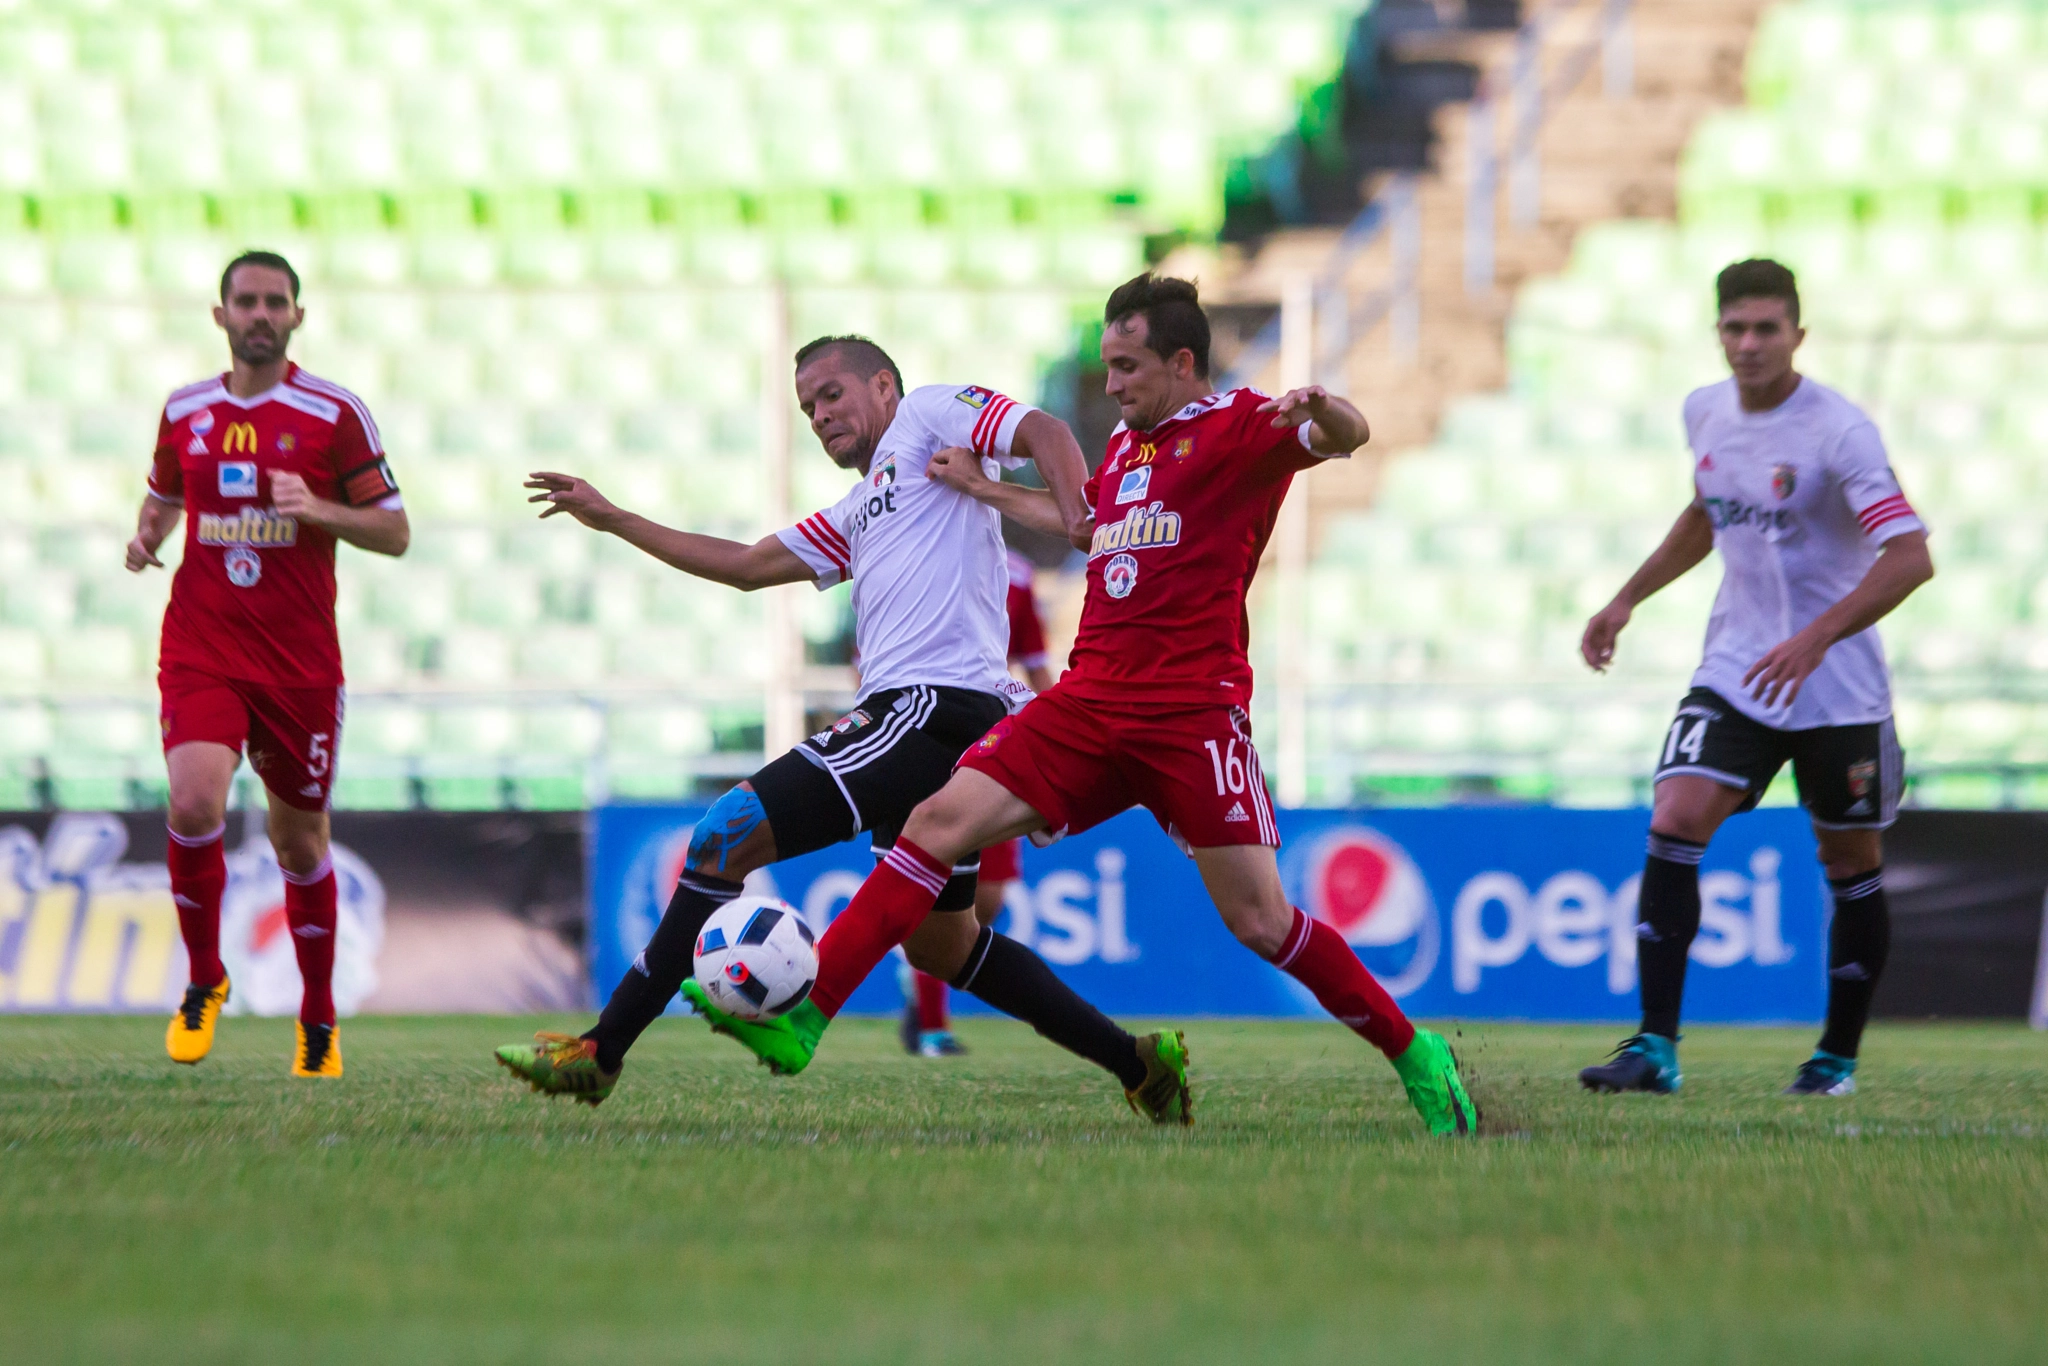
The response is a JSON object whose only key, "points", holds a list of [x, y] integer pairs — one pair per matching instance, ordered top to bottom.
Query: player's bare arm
{"points": [[1337, 427], [1049, 444], [960, 469], [153, 525], [382, 531], [1690, 540], [733, 563], [1903, 564]]}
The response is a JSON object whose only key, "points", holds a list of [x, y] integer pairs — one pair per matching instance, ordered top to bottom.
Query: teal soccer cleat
{"points": [[1641, 1062], [1824, 1074]]}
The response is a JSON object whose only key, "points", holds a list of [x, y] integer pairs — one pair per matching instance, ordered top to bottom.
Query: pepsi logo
{"points": [[1366, 887]]}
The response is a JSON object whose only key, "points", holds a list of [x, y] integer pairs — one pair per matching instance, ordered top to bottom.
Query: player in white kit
{"points": [[1793, 487], [929, 576]]}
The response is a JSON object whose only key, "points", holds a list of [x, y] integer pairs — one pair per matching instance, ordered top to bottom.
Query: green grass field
{"points": [[1006, 1208]]}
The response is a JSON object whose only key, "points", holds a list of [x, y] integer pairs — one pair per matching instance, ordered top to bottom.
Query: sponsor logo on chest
{"points": [[237, 478], [250, 527], [1141, 528]]}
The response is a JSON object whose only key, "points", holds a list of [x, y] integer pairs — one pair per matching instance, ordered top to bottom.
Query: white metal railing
{"points": [[1611, 42]]}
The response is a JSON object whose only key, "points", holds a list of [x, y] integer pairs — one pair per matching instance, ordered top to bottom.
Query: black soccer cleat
{"points": [[908, 1028], [1641, 1062]]}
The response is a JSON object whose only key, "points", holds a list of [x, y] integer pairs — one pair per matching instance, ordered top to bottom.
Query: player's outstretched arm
{"points": [[1339, 428], [960, 469], [152, 525], [382, 531], [1690, 540], [733, 563], [1902, 565]]}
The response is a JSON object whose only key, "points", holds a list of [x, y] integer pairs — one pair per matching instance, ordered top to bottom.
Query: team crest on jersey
{"points": [[975, 397], [202, 422], [287, 443], [1183, 448], [885, 473], [238, 478], [1784, 479], [1136, 483], [244, 568], [1120, 575]]}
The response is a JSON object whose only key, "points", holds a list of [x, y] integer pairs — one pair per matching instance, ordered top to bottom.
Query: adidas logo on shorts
{"points": [[1236, 813]]}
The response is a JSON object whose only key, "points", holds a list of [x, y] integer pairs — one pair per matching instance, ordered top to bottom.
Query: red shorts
{"points": [[291, 733], [1079, 762], [999, 863]]}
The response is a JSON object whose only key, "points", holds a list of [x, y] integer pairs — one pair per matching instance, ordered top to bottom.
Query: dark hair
{"points": [[259, 258], [1757, 278], [1172, 310], [861, 355]]}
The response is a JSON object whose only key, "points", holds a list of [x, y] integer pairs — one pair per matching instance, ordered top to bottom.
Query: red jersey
{"points": [[1182, 514], [254, 598], [1027, 631]]}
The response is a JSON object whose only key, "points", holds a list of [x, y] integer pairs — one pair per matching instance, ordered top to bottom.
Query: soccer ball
{"points": [[755, 958]]}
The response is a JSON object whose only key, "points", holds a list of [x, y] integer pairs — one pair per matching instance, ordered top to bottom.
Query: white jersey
{"points": [[1801, 498], [930, 574]]}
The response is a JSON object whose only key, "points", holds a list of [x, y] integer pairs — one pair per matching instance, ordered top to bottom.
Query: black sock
{"points": [[1668, 912], [1859, 940], [657, 974], [1017, 982]]}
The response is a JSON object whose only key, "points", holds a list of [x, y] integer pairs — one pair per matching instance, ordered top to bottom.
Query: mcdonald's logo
{"points": [[240, 439]]}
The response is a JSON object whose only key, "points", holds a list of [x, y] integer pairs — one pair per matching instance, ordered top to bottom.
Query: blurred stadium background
{"points": [[586, 236]]}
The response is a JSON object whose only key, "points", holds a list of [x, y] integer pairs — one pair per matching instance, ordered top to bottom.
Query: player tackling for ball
{"points": [[271, 467], [1817, 544], [928, 574], [1152, 710], [927, 1029]]}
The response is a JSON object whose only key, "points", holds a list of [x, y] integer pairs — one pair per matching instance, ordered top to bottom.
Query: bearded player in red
{"points": [[271, 467], [1152, 710]]}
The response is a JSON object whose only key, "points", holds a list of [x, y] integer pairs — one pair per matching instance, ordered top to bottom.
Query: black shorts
{"points": [[871, 768], [1849, 777]]}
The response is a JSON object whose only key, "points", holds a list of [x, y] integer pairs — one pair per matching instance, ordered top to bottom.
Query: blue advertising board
{"points": [[1481, 913]]}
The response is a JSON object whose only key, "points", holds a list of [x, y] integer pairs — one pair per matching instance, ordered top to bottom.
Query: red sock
{"points": [[199, 874], [894, 900], [309, 910], [1317, 957], [931, 1003]]}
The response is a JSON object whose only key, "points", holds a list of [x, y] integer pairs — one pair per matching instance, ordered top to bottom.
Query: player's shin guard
{"points": [[199, 874], [894, 900], [1669, 907], [309, 909], [1859, 941], [1317, 957], [658, 973], [1017, 982]]}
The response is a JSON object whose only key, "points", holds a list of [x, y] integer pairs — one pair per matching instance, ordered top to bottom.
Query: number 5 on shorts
{"points": [[317, 755], [1229, 768]]}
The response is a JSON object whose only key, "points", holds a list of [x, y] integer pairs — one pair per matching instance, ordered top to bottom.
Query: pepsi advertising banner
{"points": [[1480, 913]]}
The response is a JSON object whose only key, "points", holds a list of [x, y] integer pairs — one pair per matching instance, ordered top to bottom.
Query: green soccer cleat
{"points": [[784, 1045], [559, 1065], [1429, 1072], [1163, 1097]]}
